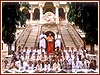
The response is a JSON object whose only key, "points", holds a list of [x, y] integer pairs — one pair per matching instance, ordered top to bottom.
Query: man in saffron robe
{"points": [[50, 41]]}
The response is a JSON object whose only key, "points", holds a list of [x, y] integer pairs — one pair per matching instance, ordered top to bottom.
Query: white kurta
{"points": [[57, 41], [42, 42], [36, 59], [43, 59], [69, 60], [83, 65], [75, 66], [56, 67], [22, 68], [38, 68], [47, 68], [30, 69]]}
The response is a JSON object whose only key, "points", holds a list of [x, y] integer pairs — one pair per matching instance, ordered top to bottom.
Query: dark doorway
{"points": [[49, 7], [48, 10], [26, 12], [61, 13], [36, 14], [47, 33]]}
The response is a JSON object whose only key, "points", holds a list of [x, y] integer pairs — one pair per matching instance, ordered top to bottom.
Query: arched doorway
{"points": [[49, 7], [48, 10], [26, 12], [61, 13], [36, 14], [47, 33]]}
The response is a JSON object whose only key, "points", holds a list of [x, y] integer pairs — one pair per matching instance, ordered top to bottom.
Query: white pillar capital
{"points": [[41, 4]]}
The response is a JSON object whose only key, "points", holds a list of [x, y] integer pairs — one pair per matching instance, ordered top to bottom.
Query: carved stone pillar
{"points": [[41, 14]]}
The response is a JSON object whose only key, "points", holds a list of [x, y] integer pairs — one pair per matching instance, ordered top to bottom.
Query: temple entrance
{"points": [[52, 33]]}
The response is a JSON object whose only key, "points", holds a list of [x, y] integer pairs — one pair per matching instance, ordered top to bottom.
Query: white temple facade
{"points": [[48, 11]]}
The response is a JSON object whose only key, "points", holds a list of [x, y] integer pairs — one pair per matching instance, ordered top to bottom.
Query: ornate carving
{"points": [[49, 17]]}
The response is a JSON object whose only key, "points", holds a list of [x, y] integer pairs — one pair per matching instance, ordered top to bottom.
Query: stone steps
{"points": [[32, 37], [66, 37]]}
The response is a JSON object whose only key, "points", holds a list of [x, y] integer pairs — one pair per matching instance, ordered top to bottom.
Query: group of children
{"points": [[39, 61]]}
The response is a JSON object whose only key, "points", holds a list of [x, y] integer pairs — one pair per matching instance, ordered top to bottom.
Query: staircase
{"points": [[28, 36], [66, 36], [70, 36], [31, 40]]}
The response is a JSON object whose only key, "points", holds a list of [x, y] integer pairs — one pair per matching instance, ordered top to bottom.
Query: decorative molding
{"points": [[41, 4], [56, 4]]}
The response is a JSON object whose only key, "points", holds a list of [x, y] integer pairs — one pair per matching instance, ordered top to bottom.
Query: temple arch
{"points": [[48, 7], [26, 12], [61, 13], [36, 14], [52, 33]]}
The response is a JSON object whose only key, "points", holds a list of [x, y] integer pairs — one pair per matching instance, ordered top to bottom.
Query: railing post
{"points": [[84, 43], [15, 46]]}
